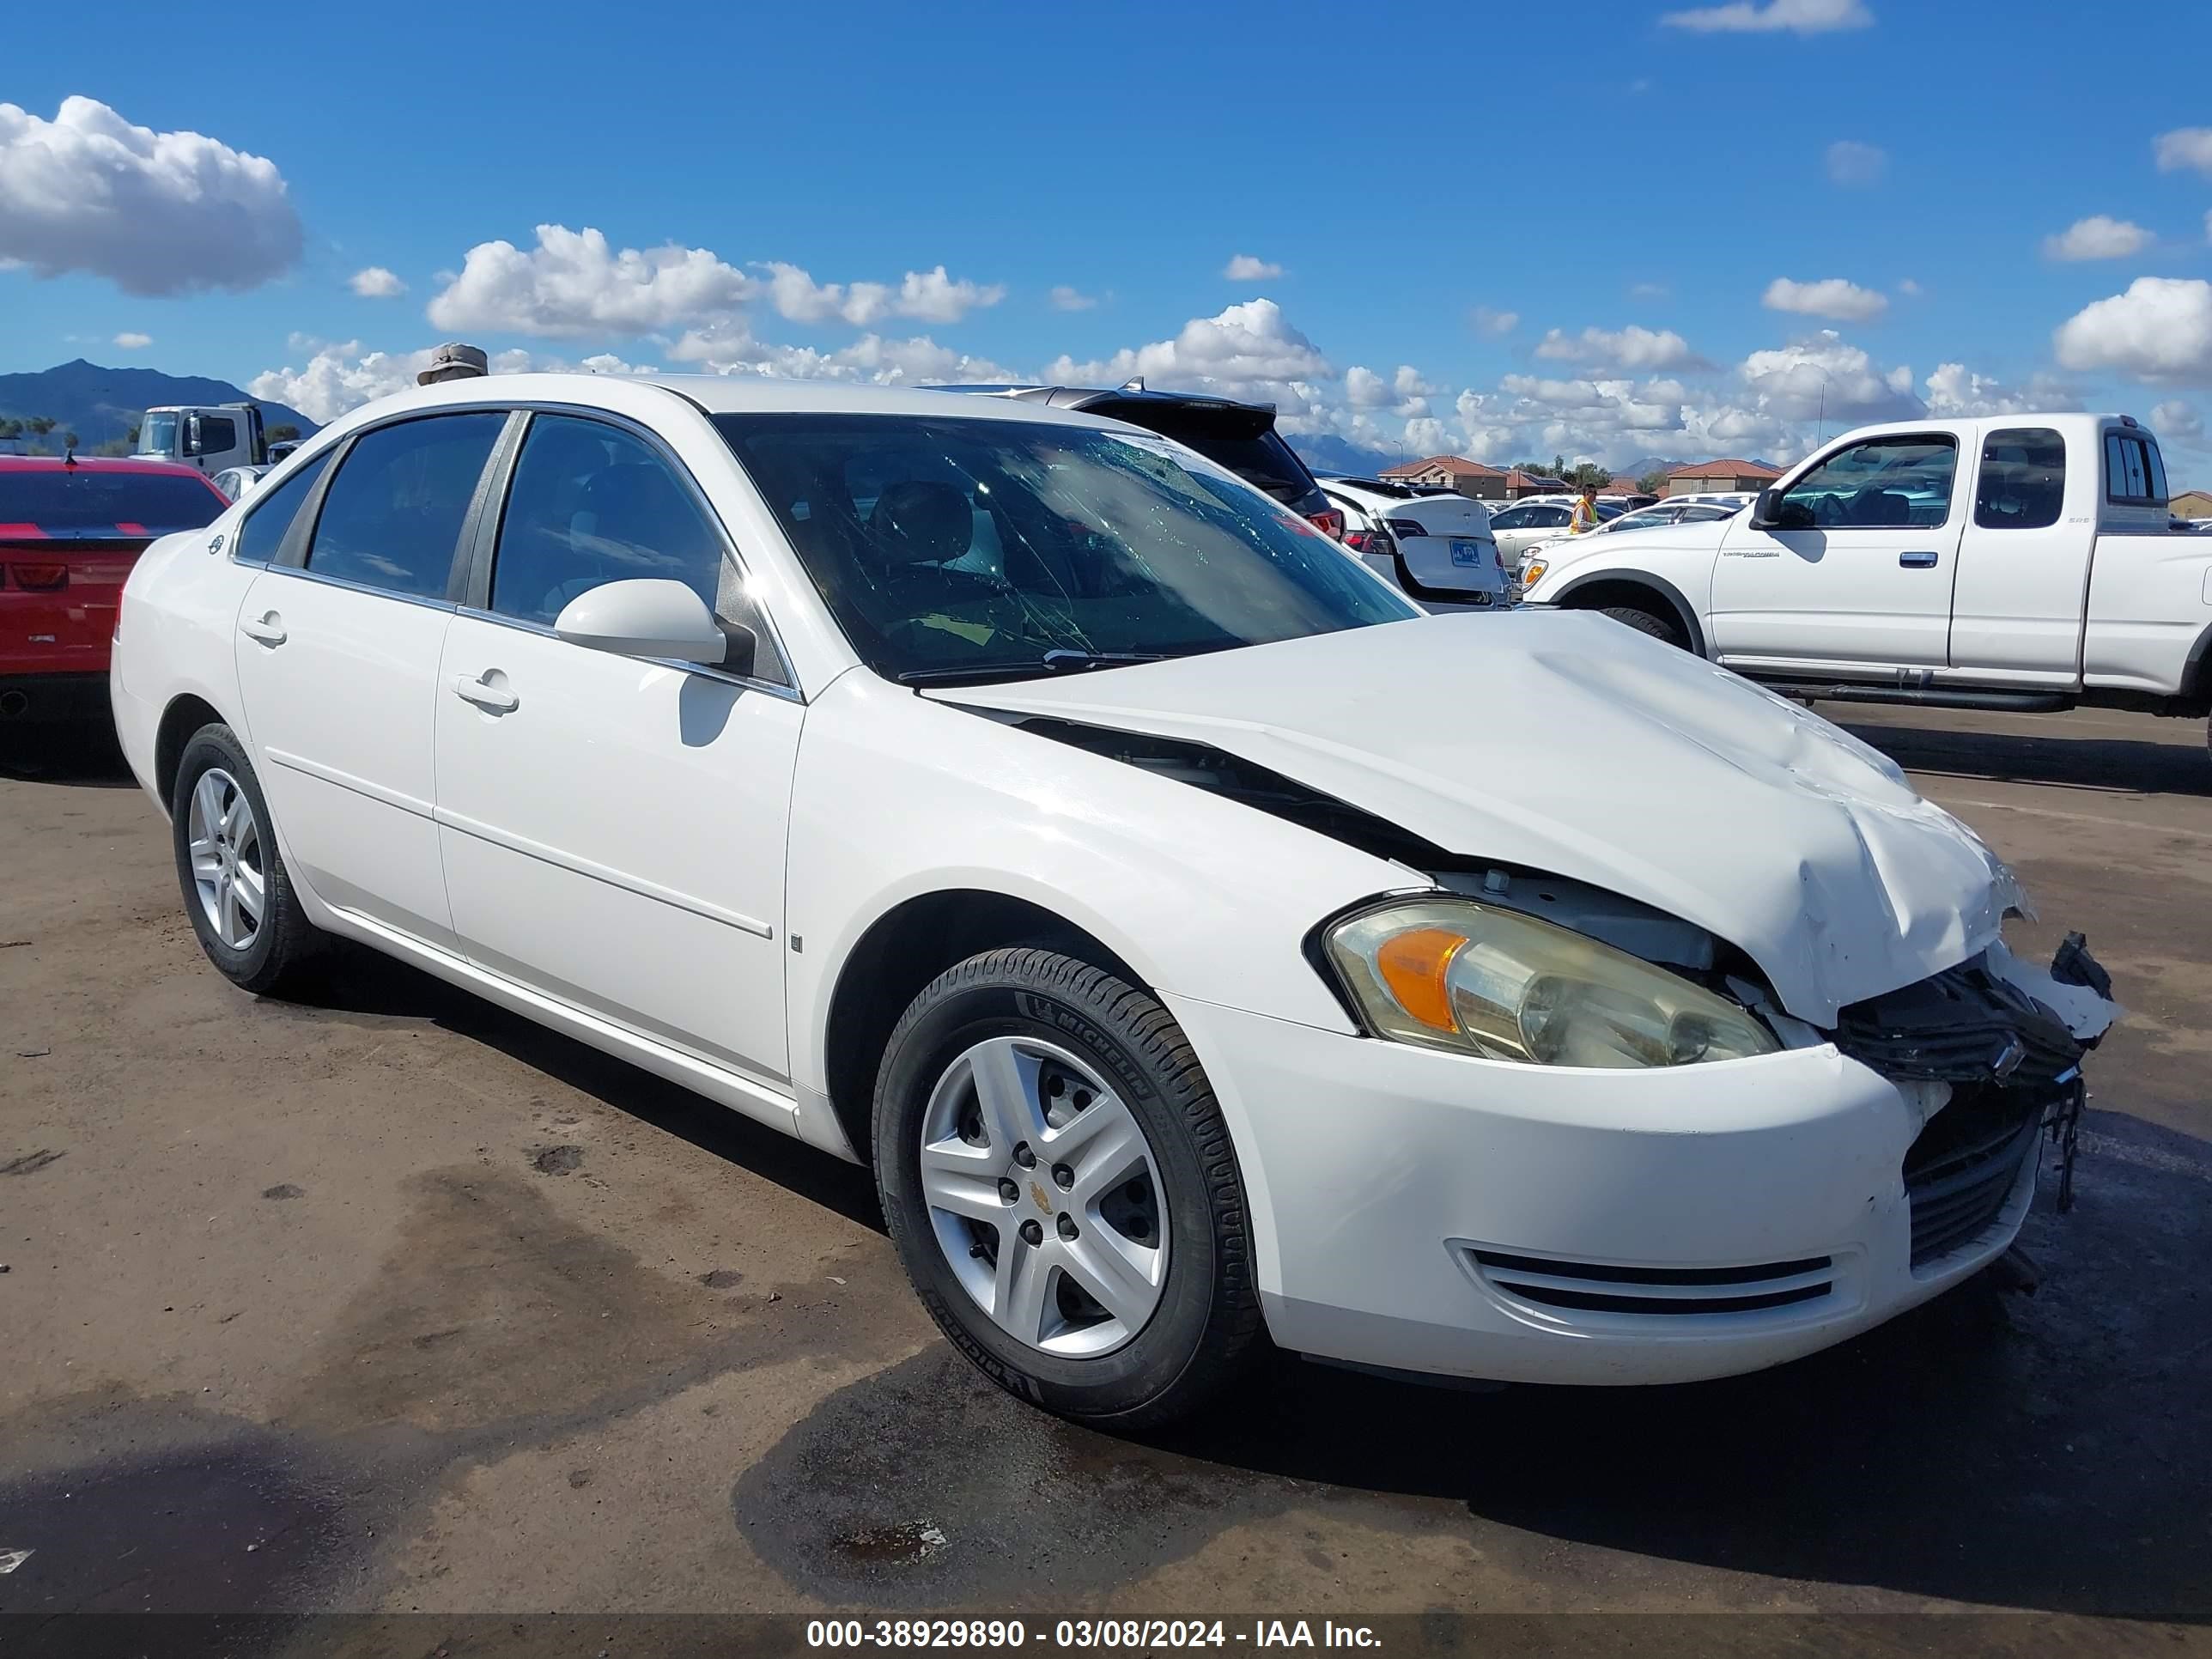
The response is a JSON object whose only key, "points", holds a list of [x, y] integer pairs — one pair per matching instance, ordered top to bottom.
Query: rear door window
{"points": [[2022, 484], [391, 518], [261, 536]]}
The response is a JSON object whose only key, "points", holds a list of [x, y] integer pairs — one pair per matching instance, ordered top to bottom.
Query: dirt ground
{"points": [[399, 1303]]}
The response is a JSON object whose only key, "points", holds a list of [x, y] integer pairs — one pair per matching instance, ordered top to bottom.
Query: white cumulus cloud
{"points": [[1798, 17], [2185, 147], [1854, 165], [153, 212], [2098, 237], [1247, 268], [376, 282], [573, 282], [931, 296], [1065, 298], [1847, 302], [1487, 321], [2159, 331], [130, 340], [1631, 348], [1248, 350], [1827, 375], [1954, 390], [2177, 420]]}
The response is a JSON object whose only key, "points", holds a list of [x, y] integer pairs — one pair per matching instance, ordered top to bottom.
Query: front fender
{"points": [[897, 796]]}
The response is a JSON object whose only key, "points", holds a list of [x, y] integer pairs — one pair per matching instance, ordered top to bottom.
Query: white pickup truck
{"points": [[2023, 563]]}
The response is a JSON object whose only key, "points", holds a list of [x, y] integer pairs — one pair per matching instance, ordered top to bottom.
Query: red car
{"points": [[70, 529]]}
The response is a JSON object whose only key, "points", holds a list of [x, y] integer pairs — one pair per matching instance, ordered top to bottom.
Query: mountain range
{"points": [[99, 404]]}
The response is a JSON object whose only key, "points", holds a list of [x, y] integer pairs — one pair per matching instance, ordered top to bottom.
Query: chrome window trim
{"points": [[494, 515], [307, 575], [789, 694]]}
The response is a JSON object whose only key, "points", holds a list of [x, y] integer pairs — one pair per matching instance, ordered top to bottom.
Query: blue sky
{"points": [[1423, 196]]}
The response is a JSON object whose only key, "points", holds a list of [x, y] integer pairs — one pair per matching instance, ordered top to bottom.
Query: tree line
{"points": [[33, 431], [1653, 482]]}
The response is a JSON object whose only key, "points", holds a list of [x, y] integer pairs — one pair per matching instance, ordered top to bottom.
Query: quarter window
{"points": [[2135, 474], [2023, 479], [1894, 482], [592, 504], [392, 516], [261, 536]]}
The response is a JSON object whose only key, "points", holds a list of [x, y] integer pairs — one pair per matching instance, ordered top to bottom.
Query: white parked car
{"points": [[234, 482], [1540, 519], [1436, 548], [1135, 903]]}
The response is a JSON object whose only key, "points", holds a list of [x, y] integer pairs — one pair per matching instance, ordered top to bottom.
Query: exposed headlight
{"points": [[1533, 572], [1453, 974]]}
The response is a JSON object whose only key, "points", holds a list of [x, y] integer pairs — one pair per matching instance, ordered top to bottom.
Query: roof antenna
{"points": [[1134, 383]]}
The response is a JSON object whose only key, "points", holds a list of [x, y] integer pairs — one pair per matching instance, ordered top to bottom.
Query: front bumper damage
{"points": [[2007, 1040], [1427, 1212]]}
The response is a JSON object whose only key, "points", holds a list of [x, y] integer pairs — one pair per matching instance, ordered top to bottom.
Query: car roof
{"points": [[715, 394]]}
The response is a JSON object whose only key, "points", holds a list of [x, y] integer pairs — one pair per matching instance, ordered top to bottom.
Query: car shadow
{"points": [[84, 755], [2123, 765], [358, 981], [2044, 1451]]}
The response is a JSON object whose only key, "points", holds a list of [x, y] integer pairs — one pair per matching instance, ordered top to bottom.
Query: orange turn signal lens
{"points": [[1414, 965]]}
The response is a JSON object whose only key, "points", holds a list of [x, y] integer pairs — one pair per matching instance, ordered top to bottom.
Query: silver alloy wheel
{"points": [[228, 869], [1045, 1197]]}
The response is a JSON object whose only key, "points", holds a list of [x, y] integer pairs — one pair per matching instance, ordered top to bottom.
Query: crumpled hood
{"points": [[1567, 742]]}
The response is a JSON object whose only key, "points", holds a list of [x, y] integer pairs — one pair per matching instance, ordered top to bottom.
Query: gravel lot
{"points": [[399, 1302]]}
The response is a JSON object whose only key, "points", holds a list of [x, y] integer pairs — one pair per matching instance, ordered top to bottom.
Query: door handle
{"points": [[1922, 560], [268, 628], [497, 698]]}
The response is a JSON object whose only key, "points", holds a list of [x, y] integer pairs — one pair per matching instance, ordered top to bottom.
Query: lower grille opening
{"points": [[1961, 1170], [1658, 1293]]}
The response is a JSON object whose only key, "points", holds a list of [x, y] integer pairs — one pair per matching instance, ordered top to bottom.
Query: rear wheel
{"points": [[1648, 621], [236, 889], [1059, 1185]]}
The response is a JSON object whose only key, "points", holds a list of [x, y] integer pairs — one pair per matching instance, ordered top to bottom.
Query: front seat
{"points": [[921, 522]]}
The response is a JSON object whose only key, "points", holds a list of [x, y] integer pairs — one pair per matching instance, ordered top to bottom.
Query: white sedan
{"points": [[1436, 548], [1134, 900]]}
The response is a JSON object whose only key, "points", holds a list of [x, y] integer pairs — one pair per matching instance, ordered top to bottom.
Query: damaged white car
{"points": [[1013, 801]]}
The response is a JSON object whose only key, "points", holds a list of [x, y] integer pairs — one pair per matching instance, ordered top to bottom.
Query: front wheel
{"points": [[1648, 621], [237, 891], [1060, 1188]]}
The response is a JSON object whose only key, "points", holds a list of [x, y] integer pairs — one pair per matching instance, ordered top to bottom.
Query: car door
{"points": [[1856, 567], [2016, 608], [339, 644], [613, 829]]}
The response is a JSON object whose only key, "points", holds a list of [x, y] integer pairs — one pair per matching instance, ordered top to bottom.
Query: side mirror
{"points": [[192, 435], [1764, 509], [645, 617]]}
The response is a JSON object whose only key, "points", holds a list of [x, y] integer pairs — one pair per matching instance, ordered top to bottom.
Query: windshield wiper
{"points": [[1053, 662]]}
